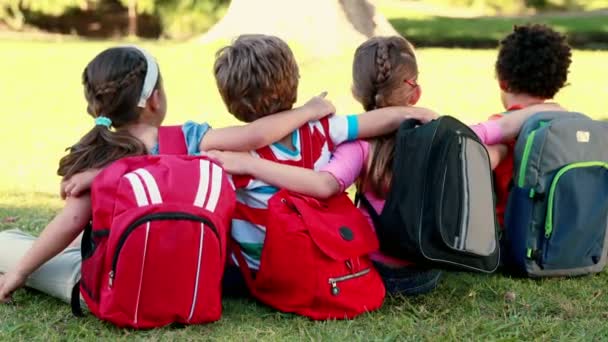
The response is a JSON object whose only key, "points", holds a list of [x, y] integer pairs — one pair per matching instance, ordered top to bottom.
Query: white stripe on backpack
{"points": [[151, 184], [203, 184], [216, 185], [138, 189]]}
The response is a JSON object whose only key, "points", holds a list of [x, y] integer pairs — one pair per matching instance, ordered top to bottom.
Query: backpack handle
{"points": [[410, 124], [171, 140]]}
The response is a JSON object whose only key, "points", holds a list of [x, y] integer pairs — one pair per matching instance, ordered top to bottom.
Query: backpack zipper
{"points": [[524, 161], [560, 173], [149, 218], [333, 282]]}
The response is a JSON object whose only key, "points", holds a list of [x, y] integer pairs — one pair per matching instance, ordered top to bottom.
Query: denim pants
{"points": [[408, 281]]}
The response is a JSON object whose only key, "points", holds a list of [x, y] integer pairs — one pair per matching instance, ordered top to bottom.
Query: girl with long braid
{"points": [[385, 74]]}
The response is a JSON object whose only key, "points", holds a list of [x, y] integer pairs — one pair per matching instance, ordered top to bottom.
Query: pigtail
{"points": [[380, 67], [383, 71], [113, 94]]}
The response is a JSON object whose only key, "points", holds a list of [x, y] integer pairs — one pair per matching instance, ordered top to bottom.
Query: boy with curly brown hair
{"points": [[532, 66]]}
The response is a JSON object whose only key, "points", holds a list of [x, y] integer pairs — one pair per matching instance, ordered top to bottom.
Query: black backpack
{"points": [[440, 209]]}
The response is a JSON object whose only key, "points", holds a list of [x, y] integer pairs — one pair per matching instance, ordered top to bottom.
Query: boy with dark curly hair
{"points": [[532, 66]]}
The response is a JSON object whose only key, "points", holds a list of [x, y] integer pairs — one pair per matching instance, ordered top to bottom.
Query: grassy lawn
{"points": [[428, 28], [44, 112]]}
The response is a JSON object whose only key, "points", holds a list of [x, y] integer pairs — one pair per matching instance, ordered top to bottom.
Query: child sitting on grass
{"points": [[532, 66], [385, 73], [257, 75], [124, 93]]}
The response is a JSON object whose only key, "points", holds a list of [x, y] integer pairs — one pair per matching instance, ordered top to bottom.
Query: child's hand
{"points": [[319, 107], [423, 115], [235, 163], [78, 183], [9, 283]]}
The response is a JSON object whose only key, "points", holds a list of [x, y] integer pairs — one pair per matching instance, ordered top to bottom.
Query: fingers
{"points": [[323, 94], [69, 189], [77, 190], [62, 192], [4, 296]]}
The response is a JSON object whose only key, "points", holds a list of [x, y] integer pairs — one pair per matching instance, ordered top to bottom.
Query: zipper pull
{"points": [[111, 279], [335, 290]]}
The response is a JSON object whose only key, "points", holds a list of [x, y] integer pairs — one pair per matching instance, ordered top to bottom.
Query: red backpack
{"points": [[156, 250], [315, 259]]}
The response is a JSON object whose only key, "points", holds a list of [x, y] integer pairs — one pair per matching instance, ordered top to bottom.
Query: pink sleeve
{"points": [[489, 132], [347, 162]]}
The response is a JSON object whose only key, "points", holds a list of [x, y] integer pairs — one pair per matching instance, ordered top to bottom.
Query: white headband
{"points": [[150, 79]]}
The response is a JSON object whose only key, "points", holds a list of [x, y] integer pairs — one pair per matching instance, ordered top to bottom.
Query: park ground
{"points": [[43, 112]]}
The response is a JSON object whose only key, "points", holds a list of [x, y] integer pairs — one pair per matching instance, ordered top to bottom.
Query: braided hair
{"points": [[380, 67], [112, 82]]}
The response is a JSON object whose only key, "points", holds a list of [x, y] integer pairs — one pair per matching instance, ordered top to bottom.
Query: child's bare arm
{"points": [[385, 120], [511, 124], [268, 129], [497, 153], [296, 179], [78, 183], [55, 237]]}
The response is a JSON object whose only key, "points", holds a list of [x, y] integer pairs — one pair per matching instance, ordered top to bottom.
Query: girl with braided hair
{"points": [[385, 74], [124, 92]]}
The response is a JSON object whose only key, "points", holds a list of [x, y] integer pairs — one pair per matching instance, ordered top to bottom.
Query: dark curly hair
{"points": [[534, 60]]}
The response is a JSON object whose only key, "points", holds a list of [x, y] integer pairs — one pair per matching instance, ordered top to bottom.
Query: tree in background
{"points": [[11, 11], [322, 26]]}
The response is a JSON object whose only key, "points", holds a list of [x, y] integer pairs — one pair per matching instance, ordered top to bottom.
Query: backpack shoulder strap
{"points": [[325, 124], [171, 140], [306, 146], [360, 198], [245, 270], [75, 301]]}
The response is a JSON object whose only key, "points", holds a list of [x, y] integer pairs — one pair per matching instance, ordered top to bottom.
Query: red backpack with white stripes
{"points": [[156, 250]]}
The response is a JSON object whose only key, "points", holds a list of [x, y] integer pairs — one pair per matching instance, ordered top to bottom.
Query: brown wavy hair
{"points": [[380, 69], [256, 75], [112, 82]]}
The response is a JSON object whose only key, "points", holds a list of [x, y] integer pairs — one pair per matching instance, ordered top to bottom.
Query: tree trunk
{"points": [[132, 14], [320, 26]]}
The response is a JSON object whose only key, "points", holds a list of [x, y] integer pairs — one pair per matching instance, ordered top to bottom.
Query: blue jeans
{"points": [[408, 281], [233, 283]]}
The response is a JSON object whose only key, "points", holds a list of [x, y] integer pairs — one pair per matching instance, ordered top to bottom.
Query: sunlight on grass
{"points": [[44, 109]]}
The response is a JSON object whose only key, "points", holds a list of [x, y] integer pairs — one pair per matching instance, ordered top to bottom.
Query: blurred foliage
{"points": [[520, 6], [178, 18], [183, 18]]}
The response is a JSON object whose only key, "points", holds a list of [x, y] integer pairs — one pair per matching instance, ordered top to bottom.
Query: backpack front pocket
{"points": [[577, 216], [468, 222]]}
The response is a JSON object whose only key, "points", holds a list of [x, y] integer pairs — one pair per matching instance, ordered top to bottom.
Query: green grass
{"points": [[585, 29], [44, 112], [464, 307]]}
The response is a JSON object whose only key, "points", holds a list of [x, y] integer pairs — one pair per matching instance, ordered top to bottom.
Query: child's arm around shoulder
{"points": [[385, 120], [511, 123], [268, 129], [343, 169], [78, 183], [55, 237]]}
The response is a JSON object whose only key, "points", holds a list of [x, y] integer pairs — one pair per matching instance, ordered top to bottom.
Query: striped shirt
{"points": [[253, 194]]}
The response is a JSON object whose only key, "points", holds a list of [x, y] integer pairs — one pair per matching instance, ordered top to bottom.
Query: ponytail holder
{"points": [[103, 121]]}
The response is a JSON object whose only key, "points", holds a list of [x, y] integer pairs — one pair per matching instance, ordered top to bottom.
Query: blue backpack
{"points": [[557, 215]]}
